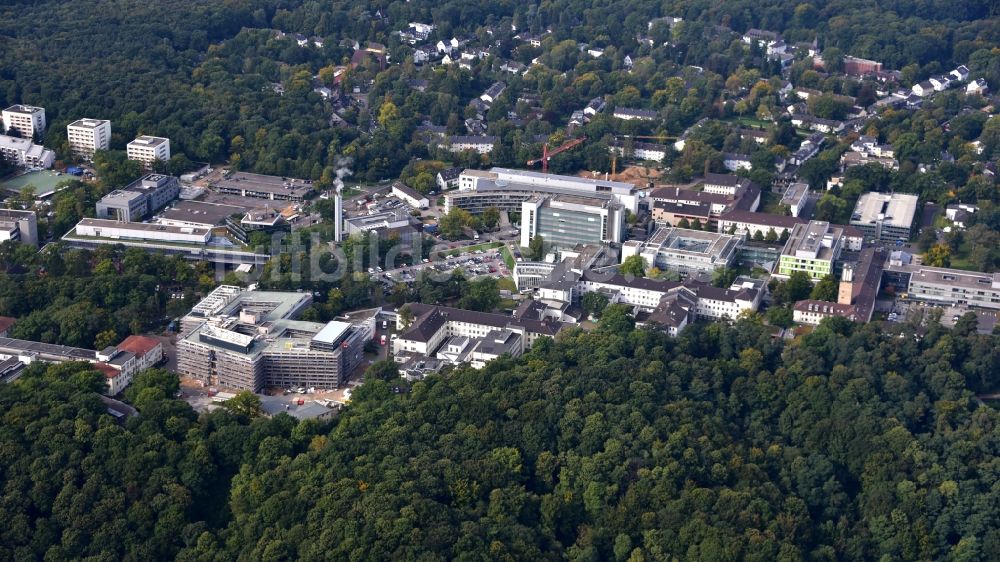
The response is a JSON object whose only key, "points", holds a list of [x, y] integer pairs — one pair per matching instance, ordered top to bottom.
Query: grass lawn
{"points": [[750, 122], [769, 202], [507, 258]]}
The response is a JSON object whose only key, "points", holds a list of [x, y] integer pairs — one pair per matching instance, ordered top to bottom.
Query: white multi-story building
{"points": [[27, 120], [87, 136], [147, 149], [23, 152], [506, 189], [885, 216], [563, 221], [433, 326]]}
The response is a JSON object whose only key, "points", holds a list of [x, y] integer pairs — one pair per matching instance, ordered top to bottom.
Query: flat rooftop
{"points": [[21, 108], [88, 123], [148, 141], [529, 176], [262, 183], [578, 200], [896, 209], [201, 212], [143, 227], [813, 240], [689, 241], [951, 277], [227, 300], [332, 333], [12, 346]]}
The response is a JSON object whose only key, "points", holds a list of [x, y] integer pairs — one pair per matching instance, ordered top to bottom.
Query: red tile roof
{"points": [[139, 345], [107, 370]]}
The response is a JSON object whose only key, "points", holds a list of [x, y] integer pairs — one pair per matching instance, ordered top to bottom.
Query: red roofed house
{"points": [[148, 351]]}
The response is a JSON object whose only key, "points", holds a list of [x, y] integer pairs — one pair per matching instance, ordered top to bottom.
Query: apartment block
{"points": [[27, 120], [87, 136], [147, 149], [25, 153]]}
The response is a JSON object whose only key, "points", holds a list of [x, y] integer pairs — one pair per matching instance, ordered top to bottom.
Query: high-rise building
{"points": [[27, 120], [87, 136], [147, 149], [563, 221]]}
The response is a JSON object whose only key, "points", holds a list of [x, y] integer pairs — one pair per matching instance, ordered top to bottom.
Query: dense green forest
{"points": [[201, 72], [850, 443]]}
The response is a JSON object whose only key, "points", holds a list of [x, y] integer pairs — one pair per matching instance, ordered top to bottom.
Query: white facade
{"points": [[27, 120], [89, 135], [147, 149], [23, 152], [100, 228]]}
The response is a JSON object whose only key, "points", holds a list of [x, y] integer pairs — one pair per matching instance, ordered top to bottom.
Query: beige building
{"points": [[87, 136], [147, 149]]}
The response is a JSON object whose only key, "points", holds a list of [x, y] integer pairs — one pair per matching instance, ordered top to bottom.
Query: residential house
{"points": [[977, 87], [629, 114], [480, 144], [734, 162]]}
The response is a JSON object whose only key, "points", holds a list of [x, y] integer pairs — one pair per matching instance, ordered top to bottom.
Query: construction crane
{"points": [[547, 154]]}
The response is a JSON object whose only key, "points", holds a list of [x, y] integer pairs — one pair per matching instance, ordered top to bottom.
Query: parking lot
{"points": [[475, 264], [918, 311]]}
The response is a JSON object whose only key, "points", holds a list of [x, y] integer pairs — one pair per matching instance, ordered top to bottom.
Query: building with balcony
{"points": [[87, 136], [147, 149]]}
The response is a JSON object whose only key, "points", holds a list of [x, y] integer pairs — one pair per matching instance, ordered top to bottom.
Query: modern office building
{"points": [[27, 120], [87, 136], [147, 149], [25, 153], [506, 189], [139, 199], [885, 217], [563, 221], [21, 226], [194, 243], [813, 248], [685, 251], [945, 287], [248, 340]]}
